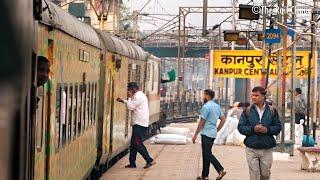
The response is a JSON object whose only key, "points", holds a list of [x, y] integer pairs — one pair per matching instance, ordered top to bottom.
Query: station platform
{"points": [[184, 162]]}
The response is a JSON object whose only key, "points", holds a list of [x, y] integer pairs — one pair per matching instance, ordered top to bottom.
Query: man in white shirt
{"points": [[138, 103]]}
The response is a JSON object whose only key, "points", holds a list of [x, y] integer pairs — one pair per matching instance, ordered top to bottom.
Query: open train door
{"points": [[42, 124]]}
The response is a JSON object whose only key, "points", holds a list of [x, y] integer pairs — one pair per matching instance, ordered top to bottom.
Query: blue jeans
{"points": [[138, 134], [208, 157]]}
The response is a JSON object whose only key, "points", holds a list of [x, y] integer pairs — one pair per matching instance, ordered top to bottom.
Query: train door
{"points": [[41, 112], [42, 125]]}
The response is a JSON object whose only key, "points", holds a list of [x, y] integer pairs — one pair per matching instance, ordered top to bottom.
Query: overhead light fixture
{"points": [[249, 12], [230, 35], [260, 36], [242, 40]]}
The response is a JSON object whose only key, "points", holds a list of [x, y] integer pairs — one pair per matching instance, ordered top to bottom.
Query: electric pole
{"points": [[284, 72]]}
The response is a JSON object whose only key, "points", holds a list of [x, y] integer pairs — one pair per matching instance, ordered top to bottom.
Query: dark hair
{"points": [[43, 59], [133, 86], [259, 89], [298, 90], [209, 92], [241, 104], [246, 104]]}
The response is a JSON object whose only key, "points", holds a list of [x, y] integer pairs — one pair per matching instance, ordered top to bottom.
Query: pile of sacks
{"points": [[229, 133], [298, 133], [172, 135]]}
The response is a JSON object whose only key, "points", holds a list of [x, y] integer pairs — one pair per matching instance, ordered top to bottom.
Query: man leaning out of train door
{"points": [[43, 69], [138, 103]]}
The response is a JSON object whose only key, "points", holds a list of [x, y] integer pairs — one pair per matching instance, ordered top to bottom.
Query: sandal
{"points": [[202, 178]]}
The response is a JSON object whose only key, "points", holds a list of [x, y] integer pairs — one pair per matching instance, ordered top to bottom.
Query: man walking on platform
{"points": [[138, 104], [299, 106], [209, 114], [259, 123]]}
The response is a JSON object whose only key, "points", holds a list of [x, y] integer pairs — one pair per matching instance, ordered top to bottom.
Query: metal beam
{"points": [[223, 9]]}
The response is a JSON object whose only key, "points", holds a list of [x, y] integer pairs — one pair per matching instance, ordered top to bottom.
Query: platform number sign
{"points": [[272, 36]]}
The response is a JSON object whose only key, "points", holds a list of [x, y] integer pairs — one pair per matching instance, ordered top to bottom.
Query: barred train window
{"points": [[79, 101], [83, 102], [91, 102], [95, 102], [87, 105], [70, 109], [64, 111], [75, 112], [58, 116]]}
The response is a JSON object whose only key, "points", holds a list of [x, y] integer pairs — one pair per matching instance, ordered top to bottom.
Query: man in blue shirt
{"points": [[207, 127]]}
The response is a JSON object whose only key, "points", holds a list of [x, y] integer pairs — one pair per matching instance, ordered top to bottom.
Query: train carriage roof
{"points": [[70, 24], [123, 47]]}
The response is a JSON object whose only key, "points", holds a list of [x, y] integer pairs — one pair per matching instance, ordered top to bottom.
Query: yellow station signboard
{"points": [[248, 64]]}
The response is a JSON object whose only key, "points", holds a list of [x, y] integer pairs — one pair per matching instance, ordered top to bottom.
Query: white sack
{"points": [[229, 126], [175, 130], [238, 138], [169, 139], [230, 140]]}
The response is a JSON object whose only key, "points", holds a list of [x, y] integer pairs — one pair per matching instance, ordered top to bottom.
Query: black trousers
{"points": [[299, 116], [138, 134], [208, 157]]}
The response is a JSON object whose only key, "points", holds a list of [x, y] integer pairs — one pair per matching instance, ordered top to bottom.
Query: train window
{"points": [[84, 55], [129, 72], [148, 72], [138, 75], [155, 78], [144, 79], [95, 102], [89, 103], [92, 103], [80, 108], [83, 108], [70, 110], [75, 111], [64, 112], [40, 115], [58, 115], [85, 126]]}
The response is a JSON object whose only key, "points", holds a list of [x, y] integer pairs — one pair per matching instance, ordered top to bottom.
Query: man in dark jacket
{"points": [[259, 123]]}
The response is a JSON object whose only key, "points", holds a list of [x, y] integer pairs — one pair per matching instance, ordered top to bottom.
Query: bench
{"points": [[310, 158]]}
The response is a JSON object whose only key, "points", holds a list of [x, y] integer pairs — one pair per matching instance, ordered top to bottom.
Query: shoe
{"points": [[149, 164], [130, 166], [221, 174], [202, 178]]}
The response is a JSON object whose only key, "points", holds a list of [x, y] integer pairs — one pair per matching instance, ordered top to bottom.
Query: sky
{"points": [[172, 7]]}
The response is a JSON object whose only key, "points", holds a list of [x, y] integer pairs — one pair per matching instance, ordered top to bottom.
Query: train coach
{"points": [[80, 128]]}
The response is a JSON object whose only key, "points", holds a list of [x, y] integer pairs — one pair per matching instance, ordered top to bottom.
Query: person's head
{"points": [[42, 70], [132, 87], [297, 91], [208, 95], [258, 95], [241, 104], [246, 104]]}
